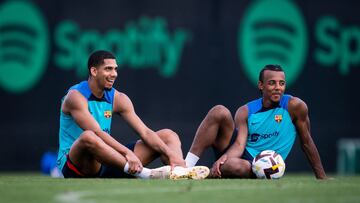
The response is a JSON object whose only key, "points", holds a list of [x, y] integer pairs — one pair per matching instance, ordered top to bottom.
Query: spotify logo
{"points": [[272, 32], [24, 46]]}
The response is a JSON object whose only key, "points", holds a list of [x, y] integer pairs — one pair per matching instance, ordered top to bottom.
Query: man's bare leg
{"points": [[214, 131], [88, 151], [146, 154], [236, 168]]}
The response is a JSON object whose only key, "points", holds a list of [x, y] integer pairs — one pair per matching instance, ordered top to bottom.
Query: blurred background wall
{"points": [[176, 60]]}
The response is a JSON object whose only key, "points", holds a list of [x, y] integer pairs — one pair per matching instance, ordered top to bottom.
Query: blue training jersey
{"points": [[100, 109], [270, 129]]}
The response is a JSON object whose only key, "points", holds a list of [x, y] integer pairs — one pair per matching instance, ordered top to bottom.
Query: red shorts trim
{"points": [[72, 167]]}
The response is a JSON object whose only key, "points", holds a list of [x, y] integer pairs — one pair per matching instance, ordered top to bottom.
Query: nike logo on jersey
{"points": [[255, 122]]}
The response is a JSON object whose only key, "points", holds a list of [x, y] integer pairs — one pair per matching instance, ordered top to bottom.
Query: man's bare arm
{"points": [[76, 106], [125, 108], [299, 112]]}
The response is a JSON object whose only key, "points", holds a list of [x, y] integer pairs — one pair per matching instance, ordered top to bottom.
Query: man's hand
{"points": [[135, 165], [215, 170]]}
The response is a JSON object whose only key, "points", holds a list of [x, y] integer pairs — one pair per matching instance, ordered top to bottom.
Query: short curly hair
{"points": [[97, 58], [269, 67]]}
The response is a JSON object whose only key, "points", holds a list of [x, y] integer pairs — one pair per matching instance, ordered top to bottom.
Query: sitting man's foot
{"points": [[160, 173], [180, 173], [195, 173]]}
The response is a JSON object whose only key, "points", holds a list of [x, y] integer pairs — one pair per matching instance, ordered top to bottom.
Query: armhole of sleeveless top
{"points": [[112, 95], [285, 101], [254, 106]]}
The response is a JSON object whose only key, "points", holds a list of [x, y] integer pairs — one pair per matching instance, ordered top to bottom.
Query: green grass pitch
{"points": [[292, 188]]}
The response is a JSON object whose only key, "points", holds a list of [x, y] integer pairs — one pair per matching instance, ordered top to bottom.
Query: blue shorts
{"points": [[246, 155], [71, 171]]}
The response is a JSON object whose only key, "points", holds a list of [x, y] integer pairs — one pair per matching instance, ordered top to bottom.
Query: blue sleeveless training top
{"points": [[100, 109], [270, 129]]}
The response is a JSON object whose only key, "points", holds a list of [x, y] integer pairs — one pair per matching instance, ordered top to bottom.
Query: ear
{"points": [[93, 71]]}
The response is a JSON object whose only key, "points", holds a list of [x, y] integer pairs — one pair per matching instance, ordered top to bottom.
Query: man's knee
{"points": [[219, 113], [168, 136], [89, 139], [237, 168]]}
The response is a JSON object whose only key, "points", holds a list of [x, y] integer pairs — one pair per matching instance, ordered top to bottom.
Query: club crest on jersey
{"points": [[107, 114], [278, 118]]}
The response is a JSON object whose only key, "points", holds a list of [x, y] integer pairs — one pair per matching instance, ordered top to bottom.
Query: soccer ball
{"points": [[268, 164]]}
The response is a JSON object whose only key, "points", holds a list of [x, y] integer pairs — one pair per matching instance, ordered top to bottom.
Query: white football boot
{"points": [[160, 173], [180, 173], [195, 173]]}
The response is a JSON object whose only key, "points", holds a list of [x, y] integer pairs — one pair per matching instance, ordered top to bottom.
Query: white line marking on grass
{"points": [[85, 196], [74, 197]]}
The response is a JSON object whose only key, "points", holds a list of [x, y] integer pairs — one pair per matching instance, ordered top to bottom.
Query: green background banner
{"points": [[176, 60]]}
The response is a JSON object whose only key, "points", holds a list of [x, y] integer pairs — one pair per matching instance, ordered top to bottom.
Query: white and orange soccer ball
{"points": [[268, 165]]}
